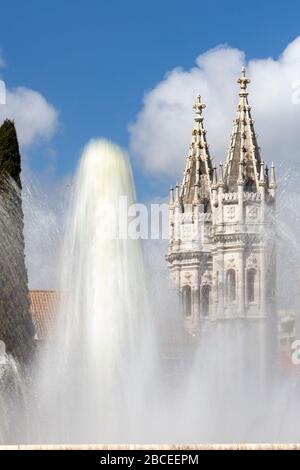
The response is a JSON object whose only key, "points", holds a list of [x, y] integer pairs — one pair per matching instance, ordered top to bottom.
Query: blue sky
{"points": [[94, 60]]}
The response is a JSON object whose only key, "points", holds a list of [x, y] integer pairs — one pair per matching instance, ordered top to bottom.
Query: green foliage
{"points": [[10, 159], [16, 328]]}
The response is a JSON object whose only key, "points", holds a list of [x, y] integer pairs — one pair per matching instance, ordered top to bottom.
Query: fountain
{"points": [[104, 347], [104, 377], [101, 380], [12, 398]]}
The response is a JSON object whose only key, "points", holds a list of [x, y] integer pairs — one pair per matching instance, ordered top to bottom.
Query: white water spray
{"points": [[103, 332], [99, 381], [12, 400]]}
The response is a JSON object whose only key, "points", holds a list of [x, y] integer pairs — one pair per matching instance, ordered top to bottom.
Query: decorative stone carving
{"points": [[230, 197], [252, 197], [230, 212], [252, 212], [186, 218], [186, 230], [246, 238], [230, 261], [252, 261], [206, 279]]}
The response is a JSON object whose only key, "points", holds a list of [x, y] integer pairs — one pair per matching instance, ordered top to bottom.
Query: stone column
{"points": [[240, 184], [220, 209], [262, 281], [241, 283], [215, 289], [221, 294], [196, 297]]}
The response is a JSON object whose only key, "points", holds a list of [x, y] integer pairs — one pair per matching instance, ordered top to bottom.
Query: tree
{"points": [[16, 328]]}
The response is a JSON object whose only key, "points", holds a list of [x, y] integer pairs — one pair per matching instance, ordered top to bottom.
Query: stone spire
{"points": [[243, 146], [198, 170]]}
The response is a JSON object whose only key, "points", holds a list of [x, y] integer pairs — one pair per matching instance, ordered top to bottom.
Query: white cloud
{"points": [[34, 116], [160, 136], [43, 197]]}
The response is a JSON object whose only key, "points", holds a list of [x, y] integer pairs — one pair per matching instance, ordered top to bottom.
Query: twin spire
{"points": [[243, 148], [243, 165], [198, 171]]}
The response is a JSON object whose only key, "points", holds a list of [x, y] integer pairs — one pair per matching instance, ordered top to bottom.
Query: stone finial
{"points": [[243, 80], [198, 107]]}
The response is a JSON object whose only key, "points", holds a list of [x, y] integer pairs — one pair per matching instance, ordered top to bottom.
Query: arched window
{"points": [[251, 277], [231, 285], [187, 300], [205, 300]]}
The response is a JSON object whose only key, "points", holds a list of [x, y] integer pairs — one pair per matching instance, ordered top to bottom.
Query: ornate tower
{"points": [[243, 238], [243, 243], [222, 252], [189, 254]]}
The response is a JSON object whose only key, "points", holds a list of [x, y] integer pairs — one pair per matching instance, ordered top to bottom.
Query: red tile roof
{"points": [[43, 308]]}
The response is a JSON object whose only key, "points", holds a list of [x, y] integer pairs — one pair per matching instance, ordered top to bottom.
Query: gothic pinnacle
{"points": [[243, 82], [198, 107], [243, 142], [198, 169], [262, 174], [221, 176], [273, 184], [171, 200]]}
